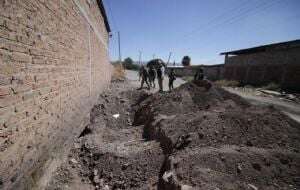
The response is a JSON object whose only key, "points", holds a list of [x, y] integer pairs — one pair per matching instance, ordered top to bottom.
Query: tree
{"points": [[128, 61], [186, 61], [129, 64]]}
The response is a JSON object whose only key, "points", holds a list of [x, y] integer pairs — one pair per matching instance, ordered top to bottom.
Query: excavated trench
{"points": [[151, 132], [189, 138], [116, 150], [153, 160]]}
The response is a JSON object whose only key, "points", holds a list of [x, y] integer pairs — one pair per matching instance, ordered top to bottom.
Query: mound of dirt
{"points": [[195, 137], [214, 139]]}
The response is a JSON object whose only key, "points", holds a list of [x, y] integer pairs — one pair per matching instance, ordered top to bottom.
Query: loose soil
{"points": [[195, 137]]}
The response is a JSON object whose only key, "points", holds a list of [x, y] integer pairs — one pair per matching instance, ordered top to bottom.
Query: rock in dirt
{"points": [[116, 116], [73, 161], [239, 168], [186, 187], [252, 187]]}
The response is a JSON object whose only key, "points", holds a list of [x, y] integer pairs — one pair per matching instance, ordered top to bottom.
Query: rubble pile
{"points": [[214, 139]]}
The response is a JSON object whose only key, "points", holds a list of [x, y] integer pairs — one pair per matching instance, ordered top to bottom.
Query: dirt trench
{"points": [[191, 138], [112, 151]]}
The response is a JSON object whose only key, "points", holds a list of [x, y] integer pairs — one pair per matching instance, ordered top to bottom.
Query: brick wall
{"points": [[53, 65], [278, 66]]}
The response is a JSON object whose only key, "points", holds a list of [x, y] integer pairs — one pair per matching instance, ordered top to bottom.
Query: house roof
{"points": [[103, 12], [274, 46]]}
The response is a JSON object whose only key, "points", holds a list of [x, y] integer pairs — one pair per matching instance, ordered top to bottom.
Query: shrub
{"points": [[129, 64], [119, 72]]}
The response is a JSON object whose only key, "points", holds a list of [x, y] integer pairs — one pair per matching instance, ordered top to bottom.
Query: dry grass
{"points": [[119, 72], [187, 78], [229, 83], [272, 86]]}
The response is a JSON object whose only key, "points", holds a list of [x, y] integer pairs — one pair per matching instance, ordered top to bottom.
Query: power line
{"points": [[264, 7], [241, 12], [111, 14], [240, 16], [218, 17], [229, 22], [257, 26], [119, 46], [170, 54], [140, 57]]}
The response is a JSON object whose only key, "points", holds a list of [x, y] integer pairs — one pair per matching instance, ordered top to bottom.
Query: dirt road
{"points": [[289, 108]]}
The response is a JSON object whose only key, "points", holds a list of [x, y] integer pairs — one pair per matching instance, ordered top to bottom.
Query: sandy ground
{"points": [[289, 108]]}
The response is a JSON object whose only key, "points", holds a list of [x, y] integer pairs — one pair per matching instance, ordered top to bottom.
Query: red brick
{"points": [[21, 57], [44, 62], [20, 88], [4, 91]]}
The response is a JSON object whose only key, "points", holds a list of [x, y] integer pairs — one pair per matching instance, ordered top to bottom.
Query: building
{"points": [[54, 63], [274, 63], [211, 72]]}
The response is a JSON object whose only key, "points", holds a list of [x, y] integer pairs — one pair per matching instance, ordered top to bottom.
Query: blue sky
{"points": [[199, 28]]}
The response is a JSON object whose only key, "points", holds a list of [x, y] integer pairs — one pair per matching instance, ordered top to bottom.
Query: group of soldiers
{"points": [[154, 69], [148, 76]]}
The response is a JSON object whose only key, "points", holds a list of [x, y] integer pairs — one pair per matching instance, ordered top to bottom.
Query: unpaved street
{"points": [[290, 108]]}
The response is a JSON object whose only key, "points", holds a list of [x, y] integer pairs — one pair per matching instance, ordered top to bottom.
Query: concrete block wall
{"points": [[53, 65], [278, 66]]}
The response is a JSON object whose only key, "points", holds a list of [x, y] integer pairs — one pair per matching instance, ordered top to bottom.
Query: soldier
{"points": [[158, 64], [140, 73], [199, 75], [144, 76], [152, 76], [160, 78], [171, 79], [199, 80]]}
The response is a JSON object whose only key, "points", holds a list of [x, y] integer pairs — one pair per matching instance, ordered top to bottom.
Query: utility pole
{"points": [[119, 43], [170, 54], [140, 57]]}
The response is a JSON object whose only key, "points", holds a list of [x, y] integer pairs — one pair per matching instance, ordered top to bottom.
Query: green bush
{"points": [[129, 64]]}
